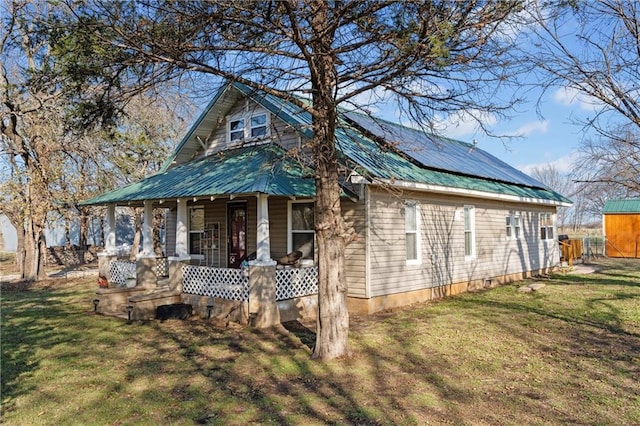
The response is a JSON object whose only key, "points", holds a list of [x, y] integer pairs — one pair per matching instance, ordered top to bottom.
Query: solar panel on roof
{"points": [[442, 153]]}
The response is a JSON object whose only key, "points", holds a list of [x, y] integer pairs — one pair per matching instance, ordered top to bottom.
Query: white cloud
{"points": [[569, 96], [532, 127], [563, 164]]}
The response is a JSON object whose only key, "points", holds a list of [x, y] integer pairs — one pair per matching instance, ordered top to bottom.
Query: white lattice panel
{"points": [[162, 267], [119, 271], [296, 282], [230, 284]]}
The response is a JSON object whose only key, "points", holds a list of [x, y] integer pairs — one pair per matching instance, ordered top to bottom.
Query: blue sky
{"points": [[546, 125], [548, 136]]}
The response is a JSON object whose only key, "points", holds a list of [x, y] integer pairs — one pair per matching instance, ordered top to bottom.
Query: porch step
{"points": [[163, 284], [144, 305]]}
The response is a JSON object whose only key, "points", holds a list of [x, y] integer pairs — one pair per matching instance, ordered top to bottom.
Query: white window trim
{"points": [[246, 117], [190, 208], [290, 224], [552, 226], [472, 230], [417, 231], [516, 231]]}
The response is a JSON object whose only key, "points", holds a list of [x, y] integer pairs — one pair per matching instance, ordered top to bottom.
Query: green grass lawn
{"points": [[566, 354]]}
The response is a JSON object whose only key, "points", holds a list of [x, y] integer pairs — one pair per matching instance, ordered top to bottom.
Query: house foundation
{"points": [[361, 306]]}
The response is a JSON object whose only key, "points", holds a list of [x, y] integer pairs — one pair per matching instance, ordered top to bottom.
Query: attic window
{"points": [[258, 125], [248, 127], [236, 129]]}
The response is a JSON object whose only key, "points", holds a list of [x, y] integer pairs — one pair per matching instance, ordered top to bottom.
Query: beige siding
{"points": [[280, 131], [278, 226], [170, 231], [442, 240], [355, 253]]}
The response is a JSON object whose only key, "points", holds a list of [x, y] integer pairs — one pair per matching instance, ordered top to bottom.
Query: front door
{"points": [[236, 234]]}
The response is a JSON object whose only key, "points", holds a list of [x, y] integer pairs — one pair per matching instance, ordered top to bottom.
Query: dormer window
{"points": [[258, 125], [248, 127], [236, 130]]}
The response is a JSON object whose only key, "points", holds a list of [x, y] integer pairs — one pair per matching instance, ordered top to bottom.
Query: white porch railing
{"points": [[120, 270], [296, 282], [230, 284], [233, 284]]}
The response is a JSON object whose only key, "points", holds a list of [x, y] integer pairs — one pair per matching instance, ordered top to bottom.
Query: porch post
{"points": [[147, 229], [110, 230], [182, 230], [263, 243], [181, 256]]}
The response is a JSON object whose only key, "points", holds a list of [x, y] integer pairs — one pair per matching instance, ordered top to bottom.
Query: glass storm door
{"points": [[236, 234]]}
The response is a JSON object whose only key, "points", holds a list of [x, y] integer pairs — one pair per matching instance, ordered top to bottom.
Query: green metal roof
{"points": [[376, 160], [388, 164], [256, 169], [267, 169], [631, 205]]}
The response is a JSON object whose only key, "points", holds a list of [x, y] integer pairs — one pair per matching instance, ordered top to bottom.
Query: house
{"points": [[432, 216], [621, 226]]}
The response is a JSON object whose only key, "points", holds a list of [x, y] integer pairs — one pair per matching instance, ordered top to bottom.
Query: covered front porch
{"points": [[239, 240], [220, 261]]}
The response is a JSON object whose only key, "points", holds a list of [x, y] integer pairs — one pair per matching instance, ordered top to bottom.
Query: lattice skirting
{"points": [[162, 267], [119, 271], [296, 282], [230, 284]]}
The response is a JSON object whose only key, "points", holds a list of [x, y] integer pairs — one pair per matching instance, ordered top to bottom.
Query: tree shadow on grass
{"points": [[306, 335]]}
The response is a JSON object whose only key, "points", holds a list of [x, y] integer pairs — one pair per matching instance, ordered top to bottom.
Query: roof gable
{"points": [[381, 149]]}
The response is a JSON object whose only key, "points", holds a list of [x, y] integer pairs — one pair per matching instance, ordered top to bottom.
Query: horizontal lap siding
{"points": [[280, 131], [170, 218], [278, 226], [442, 238], [355, 252]]}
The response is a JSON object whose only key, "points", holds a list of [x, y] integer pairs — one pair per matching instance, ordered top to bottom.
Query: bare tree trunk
{"points": [[137, 215], [158, 222], [84, 227], [67, 232], [20, 249], [34, 252], [332, 338]]}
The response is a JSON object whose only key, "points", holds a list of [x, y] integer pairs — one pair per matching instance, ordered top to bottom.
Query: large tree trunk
{"points": [[34, 254], [332, 338]]}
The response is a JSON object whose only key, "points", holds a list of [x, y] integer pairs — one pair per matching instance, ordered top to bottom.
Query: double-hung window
{"points": [[258, 125], [248, 127], [236, 130], [546, 226], [302, 228], [196, 230], [513, 230], [412, 232], [469, 232]]}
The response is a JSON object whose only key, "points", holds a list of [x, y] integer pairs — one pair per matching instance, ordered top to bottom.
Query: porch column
{"points": [[147, 229], [110, 230], [182, 230], [263, 243]]}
